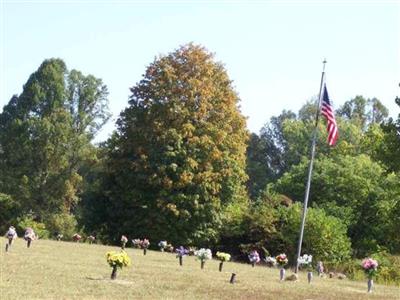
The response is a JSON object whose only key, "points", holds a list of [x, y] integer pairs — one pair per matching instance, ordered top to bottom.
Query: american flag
{"points": [[327, 112]]}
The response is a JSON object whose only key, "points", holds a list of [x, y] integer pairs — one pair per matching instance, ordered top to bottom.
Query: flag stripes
{"points": [[327, 112]]}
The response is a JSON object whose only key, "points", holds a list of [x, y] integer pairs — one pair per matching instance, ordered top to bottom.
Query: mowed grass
{"points": [[66, 270]]}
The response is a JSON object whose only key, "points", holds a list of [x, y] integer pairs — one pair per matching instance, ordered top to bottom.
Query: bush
{"points": [[63, 223], [39, 228], [324, 236], [388, 269]]}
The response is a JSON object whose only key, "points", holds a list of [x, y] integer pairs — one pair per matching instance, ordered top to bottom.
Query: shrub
{"points": [[63, 223], [38, 228], [324, 236], [388, 270]]}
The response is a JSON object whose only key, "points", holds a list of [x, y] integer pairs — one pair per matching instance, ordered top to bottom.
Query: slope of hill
{"points": [[63, 270]]}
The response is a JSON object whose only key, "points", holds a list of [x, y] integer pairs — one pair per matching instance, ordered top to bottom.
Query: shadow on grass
{"points": [[108, 280]]}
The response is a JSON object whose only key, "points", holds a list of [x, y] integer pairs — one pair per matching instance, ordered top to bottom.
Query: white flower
{"points": [[162, 244], [203, 254], [305, 259], [270, 260]]}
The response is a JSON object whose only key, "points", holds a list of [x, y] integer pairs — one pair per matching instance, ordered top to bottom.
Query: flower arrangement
{"points": [[11, 235], [29, 236], [59, 237], [76, 237], [91, 239], [124, 240], [137, 243], [145, 244], [162, 245], [169, 248], [192, 250], [180, 253], [203, 255], [223, 257], [254, 257], [282, 259], [117, 260], [270, 261], [306, 261], [370, 267], [320, 268]]}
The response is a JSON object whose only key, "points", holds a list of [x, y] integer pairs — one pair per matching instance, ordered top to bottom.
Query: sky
{"points": [[272, 50]]}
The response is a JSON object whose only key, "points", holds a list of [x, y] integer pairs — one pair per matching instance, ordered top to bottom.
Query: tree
{"points": [[363, 111], [44, 139], [389, 149], [266, 154], [178, 157], [257, 167], [354, 189]]}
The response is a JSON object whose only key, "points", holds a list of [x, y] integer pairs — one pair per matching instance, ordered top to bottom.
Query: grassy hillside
{"points": [[61, 270]]}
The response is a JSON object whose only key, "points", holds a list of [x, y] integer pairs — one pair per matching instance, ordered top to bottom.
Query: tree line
{"points": [[181, 165]]}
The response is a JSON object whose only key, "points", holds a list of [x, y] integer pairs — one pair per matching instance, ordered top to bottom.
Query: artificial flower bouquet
{"points": [[162, 245], [180, 253], [203, 255], [223, 257], [254, 257], [117, 260], [282, 260], [270, 261], [306, 262], [370, 267]]}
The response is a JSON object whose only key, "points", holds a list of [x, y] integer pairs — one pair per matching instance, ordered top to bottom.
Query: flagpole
{"points": [[310, 168]]}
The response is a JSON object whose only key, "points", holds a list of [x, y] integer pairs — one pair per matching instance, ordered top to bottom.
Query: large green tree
{"points": [[45, 135], [178, 158], [353, 188]]}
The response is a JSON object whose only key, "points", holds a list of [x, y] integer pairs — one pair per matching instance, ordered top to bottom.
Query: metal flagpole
{"points": [[310, 168]]}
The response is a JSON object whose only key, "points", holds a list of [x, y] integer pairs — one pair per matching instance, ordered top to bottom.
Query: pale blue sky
{"points": [[272, 50]]}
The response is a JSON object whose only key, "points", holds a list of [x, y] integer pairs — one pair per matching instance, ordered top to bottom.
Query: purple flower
{"points": [[181, 251], [254, 257]]}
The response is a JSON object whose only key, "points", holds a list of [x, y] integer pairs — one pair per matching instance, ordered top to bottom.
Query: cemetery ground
{"points": [[66, 270]]}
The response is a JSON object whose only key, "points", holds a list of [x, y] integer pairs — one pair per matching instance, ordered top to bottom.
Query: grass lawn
{"points": [[64, 270]]}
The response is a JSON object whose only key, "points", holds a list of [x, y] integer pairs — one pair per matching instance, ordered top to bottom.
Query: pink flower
{"points": [[76, 237], [254, 257], [369, 264]]}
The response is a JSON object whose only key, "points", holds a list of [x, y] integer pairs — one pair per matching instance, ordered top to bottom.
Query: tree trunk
{"points": [[114, 273]]}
